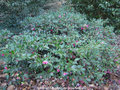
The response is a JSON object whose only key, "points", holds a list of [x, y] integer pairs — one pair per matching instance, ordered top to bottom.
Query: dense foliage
{"points": [[105, 9], [13, 11], [5, 35], [61, 44]]}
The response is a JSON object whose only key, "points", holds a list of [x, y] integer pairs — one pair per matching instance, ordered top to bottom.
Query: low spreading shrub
{"points": [[61, 44]]}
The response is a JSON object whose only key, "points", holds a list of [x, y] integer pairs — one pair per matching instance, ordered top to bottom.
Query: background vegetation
{"points": [[105, 9], [13, 12]]}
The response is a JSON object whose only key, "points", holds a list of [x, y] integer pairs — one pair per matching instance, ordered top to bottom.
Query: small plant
{"points": [[5, 35]]}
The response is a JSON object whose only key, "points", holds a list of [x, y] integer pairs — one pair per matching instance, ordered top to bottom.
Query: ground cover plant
{"points": [[61, 44]]}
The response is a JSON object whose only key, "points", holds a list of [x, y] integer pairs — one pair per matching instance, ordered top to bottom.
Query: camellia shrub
{"points": [[107, 9], [61, 44]]}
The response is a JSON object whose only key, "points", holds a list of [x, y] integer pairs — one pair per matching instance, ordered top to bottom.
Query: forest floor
{"points": [[112, 83]]}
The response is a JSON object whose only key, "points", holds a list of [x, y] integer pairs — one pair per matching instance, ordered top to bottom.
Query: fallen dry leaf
{"points": [[11, 87]]}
